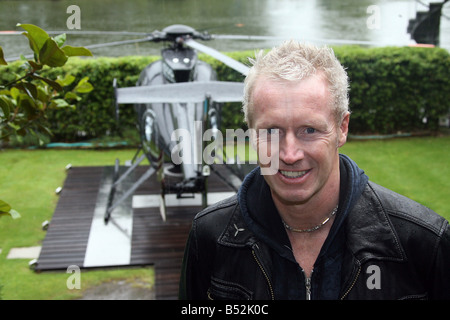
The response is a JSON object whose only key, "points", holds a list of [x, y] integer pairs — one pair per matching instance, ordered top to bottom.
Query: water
{"points": [[318, 21]]}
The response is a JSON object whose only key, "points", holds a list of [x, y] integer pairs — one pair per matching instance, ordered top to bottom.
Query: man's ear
{"points": [[343, 130]]}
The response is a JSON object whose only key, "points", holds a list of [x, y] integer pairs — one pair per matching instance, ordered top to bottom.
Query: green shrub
{"points": [[396, 89], [392, 90], [94, 115]]}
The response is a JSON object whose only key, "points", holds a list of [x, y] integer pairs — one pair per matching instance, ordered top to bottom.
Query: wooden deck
{"points": [[153, 241]]}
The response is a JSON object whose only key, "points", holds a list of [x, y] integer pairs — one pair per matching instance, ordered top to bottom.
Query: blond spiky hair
{"points": [[293, 61]]}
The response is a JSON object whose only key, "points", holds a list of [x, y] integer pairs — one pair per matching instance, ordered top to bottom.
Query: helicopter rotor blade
{"points": [[82, 33], [100, 33], [245, 37], [312, 40], [118, 43], [96, 46], [236, 65]]}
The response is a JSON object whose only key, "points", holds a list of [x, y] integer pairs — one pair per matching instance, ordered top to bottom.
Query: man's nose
{"points": [[291, 149]]}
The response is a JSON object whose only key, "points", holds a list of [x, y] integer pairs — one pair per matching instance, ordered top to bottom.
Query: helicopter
{"points": [[177, 92]]}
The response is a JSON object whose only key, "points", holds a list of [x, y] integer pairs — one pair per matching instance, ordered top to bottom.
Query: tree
{"points": [[25, 100]]}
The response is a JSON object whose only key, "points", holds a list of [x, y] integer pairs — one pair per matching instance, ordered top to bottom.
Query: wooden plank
{"points": [[66, 239]]}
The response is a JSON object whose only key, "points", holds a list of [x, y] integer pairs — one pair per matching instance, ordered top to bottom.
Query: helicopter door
{"points": [[149, 136]]}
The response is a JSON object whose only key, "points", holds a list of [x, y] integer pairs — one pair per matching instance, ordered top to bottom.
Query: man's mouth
{"points": [[293, 174]]}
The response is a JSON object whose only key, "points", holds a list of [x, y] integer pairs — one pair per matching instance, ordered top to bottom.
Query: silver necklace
{"points": [[288, 227]]}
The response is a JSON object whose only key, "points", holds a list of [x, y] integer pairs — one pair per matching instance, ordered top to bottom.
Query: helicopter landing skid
{"points": [[181, 189], [111, 205]]}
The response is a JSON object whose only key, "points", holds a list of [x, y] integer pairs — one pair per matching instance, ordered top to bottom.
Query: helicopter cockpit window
{"points": [[179, 64]]}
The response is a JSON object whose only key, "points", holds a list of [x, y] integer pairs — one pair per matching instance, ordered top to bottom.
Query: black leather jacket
{"points": [[408, 244]]}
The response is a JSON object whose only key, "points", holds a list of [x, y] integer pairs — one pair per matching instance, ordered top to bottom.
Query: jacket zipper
{"points": [[264, 272], [308, 285], [352, 285], [308, 288]]}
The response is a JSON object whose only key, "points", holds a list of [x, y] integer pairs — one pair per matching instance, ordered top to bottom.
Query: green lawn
{"points": [[416, 167], [28, 181]]}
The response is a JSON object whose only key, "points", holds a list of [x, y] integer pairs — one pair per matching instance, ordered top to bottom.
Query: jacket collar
{"points": [[369, 231]]}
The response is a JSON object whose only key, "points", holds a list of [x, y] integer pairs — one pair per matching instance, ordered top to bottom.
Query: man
{"points": [[316, 228]]}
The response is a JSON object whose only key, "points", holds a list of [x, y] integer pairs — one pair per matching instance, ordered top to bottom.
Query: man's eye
{"points": [[310, 130], [272, 131]]}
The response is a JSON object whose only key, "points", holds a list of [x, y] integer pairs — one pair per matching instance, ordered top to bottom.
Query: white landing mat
{"points": [[153, 200], [110, 244]]}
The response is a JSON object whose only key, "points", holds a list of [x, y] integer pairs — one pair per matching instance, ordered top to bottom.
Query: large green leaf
{"points": [[35, 35], [60, 39], [33, 44], [76, 51], [51, 54], [2, 58], [66, 81], [55, 85], [83, 86], [27, 87], [14, 92], [71, 96], [59, 103], [5, 105], [28, 105], [4, 207]]}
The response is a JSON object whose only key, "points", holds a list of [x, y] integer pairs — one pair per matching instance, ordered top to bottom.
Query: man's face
{"points": [[300, 116]]}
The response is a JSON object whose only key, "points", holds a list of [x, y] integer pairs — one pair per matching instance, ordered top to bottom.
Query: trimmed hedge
{"points": [[397, 89], [392, 90]]}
